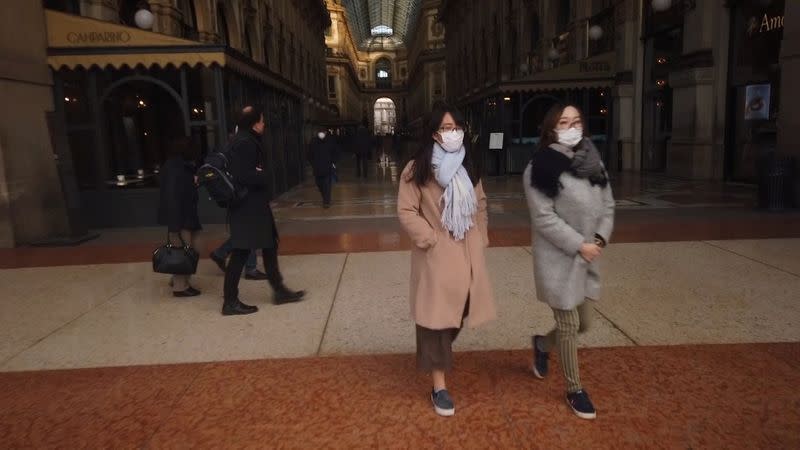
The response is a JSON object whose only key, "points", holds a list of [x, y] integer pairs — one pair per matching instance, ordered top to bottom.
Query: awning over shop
{"points": [[76, 41], [80, 42], [131, 60], [597, 72]]}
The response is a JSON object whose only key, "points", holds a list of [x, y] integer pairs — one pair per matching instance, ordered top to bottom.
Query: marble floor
{"points": [[713, 292], [696, 342]]}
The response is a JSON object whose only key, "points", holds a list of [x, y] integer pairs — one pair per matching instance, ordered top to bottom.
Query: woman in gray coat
{"points": [[572, 211]]}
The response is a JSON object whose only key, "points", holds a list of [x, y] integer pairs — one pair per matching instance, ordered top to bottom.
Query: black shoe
{"points": [[326, 206], [219, 261], [255, 275], [189, 292], [284, 295], [237, 308], [540, 359], [442, 403], [581, 405]]}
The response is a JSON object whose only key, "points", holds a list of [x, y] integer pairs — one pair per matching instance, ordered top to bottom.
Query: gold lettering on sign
{"points": [[770, 23], [92, 37]]}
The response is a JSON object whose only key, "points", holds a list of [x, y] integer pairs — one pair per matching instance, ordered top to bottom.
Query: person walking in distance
{"points": [[363, 144], [322, 154], [442, 207], [572, 212], [252, 224]]}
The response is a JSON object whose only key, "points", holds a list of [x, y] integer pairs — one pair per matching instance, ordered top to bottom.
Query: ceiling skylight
{"points": [[382, 30]]}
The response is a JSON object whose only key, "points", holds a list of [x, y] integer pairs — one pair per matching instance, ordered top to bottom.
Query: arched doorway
{"points": [[533, 113], [385, 116], [143, 119]]}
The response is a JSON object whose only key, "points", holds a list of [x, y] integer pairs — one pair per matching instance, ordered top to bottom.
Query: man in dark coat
{"points": [[362, 145], [322, 154], [252, 224], [220, 254]]}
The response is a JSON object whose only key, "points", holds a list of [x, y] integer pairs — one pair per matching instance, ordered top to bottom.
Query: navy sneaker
{"points": [[540, 359], [442, 403], [581, 405]]}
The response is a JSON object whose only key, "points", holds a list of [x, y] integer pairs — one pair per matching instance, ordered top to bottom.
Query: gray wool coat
{"points": [[560, 226]]}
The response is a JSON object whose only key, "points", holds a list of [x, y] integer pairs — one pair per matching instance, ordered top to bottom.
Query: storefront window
{"points": [[67, 6], [127, 12], [756, 36], [75, 98], [82, 144]]}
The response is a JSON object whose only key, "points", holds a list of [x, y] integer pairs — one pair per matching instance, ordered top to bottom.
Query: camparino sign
{"points": [[93, 37]]}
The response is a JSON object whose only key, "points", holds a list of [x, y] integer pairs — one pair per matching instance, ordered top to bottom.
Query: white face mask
{"points": [[321, 135], [570, 137], [452, 141]]}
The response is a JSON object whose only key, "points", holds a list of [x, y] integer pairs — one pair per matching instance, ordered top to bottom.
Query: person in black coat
{"points": [[362, 144], [322, 154], [178, 205], [252, 224], [220, 254]]}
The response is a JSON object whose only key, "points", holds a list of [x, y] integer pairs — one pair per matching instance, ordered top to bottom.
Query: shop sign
{"points": [[765, 24], [69, 31], [94, 37], [598, 66]]}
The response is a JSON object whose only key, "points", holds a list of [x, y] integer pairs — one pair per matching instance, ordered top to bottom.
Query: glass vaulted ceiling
{"points": [[382, 24]]}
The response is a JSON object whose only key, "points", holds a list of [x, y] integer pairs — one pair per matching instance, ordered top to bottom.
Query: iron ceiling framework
{"points": [[366, 15]]}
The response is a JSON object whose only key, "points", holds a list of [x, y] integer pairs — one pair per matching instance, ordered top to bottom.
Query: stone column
{"points": [[789, 116], [692, 151], [625, 153], [31, 200]]}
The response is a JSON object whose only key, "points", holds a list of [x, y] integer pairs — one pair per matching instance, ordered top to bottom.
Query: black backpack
{"points": [[214, 175]]}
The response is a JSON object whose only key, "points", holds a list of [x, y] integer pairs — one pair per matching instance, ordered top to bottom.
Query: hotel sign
{"points": [[598, 66]]}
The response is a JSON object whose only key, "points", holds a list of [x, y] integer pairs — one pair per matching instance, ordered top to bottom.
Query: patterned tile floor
{"points": [[726, 309], [704, 397]]}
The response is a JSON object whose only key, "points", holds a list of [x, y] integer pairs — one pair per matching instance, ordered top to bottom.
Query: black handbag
{"points": [[175, 260]]}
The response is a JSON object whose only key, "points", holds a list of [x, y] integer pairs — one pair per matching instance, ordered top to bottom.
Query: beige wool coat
{"points": [[444, 272]]}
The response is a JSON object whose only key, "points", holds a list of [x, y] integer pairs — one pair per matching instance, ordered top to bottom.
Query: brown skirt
{"points": [[435, 347]]}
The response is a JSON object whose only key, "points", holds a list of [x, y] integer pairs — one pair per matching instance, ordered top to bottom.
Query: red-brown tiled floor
{"points": [[654, 225], [721, 396]]}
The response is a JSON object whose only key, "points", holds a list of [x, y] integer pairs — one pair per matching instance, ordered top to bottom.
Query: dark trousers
{"points": [[362, 163], [324, 184], [226, 248], [236, 265], [435, 347]]}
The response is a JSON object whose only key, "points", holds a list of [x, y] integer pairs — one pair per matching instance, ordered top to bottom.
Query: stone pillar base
{"points": [[691, 151], [688, 158]]}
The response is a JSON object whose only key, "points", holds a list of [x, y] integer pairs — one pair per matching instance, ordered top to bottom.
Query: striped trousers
{"points": [[568, 324]]}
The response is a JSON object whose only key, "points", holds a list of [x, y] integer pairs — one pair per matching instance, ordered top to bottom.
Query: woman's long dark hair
{"points": [[422, 169]]}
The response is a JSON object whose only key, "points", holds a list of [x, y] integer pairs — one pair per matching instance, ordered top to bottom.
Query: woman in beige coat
{"points": [[442, 207]]}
